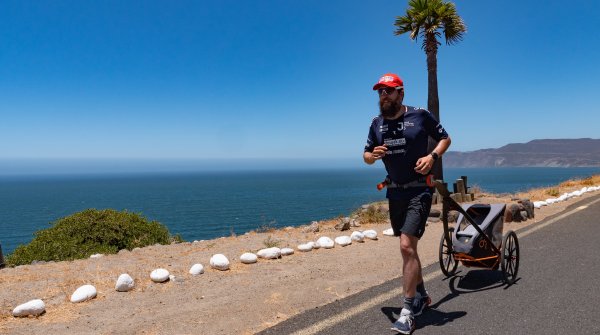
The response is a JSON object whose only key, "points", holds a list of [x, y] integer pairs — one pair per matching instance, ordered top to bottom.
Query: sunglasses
{"points": [[388, 90]]}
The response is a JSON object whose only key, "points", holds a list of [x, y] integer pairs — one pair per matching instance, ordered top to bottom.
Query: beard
{"points": [[389, 108]]}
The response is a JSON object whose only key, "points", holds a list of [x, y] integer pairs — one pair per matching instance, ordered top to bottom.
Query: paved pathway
{"points": [[558, 290]]}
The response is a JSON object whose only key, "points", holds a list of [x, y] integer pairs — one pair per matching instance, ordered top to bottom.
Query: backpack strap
{"points": [[378, 123]]}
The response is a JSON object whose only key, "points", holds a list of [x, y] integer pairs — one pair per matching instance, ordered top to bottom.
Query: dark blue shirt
{"points": [[406, 140]]}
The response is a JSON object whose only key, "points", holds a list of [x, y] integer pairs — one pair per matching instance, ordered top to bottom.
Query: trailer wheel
{"points": [[446, 257], [509, 259]]}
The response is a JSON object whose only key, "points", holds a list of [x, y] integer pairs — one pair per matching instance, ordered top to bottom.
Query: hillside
{"points": [[582, 152]]}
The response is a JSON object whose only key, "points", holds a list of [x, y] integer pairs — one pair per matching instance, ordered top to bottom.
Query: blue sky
{"points": [[280, 79]]}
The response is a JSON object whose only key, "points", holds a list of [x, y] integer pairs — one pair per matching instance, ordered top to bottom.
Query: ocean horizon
{"points": [[211, 204]]}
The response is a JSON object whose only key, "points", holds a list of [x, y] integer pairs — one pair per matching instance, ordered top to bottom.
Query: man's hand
{"points": [[379, 152], [372, 157], [424, 164]]}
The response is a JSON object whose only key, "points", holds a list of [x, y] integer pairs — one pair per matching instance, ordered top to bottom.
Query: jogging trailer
{"points": [[476, 239]]}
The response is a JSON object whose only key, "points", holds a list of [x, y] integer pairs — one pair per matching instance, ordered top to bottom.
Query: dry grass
{"points": [[564, 187], [475, 189], [373, 214], [271, 242]]}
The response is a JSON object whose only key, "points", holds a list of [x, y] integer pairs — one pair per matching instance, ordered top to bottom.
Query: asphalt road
{"points": [[557, 291]]}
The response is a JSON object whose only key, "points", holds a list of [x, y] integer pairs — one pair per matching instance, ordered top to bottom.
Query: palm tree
{"points": [[429, 19]]}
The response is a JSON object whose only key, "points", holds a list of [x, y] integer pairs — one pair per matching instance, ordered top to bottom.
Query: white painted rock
{"points": [[550, 201], [537, 204], [388, 232], [370, 234], [357, 236], [343, 240], [325, 242], [314, 245], [306, 247], [287, 251], [269, 253], [96, 255], [248, 258], [219, 262], [196, 269], [159, 275], [125, 283], [85, 292], [32, 307]]}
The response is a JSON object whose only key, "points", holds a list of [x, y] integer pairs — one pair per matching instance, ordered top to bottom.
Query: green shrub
{"points": [[89, 232]]}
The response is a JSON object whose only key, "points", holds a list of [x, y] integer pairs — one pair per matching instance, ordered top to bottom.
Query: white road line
{"points": [[562, 216], [357, 309], [347, 314]]}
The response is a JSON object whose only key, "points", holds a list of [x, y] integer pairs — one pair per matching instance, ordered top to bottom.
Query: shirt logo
{"points": [[394, 142]]}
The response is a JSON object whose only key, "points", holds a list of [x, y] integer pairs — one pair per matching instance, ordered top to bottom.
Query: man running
{"points": [[399, 137]]}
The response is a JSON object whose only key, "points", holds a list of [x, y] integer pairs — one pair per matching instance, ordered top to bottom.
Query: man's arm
{"points": [[442, 146], [424, 164]]}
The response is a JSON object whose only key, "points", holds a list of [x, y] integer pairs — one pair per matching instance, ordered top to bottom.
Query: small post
{"points": [[464, 178], [460, 186], [456, 197], [2, 265]]}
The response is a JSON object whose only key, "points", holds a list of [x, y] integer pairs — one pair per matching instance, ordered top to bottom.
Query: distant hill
{"points": [[580, 152]]}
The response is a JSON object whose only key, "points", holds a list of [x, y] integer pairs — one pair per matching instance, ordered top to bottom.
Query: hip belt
{"points": [[425, 181]]}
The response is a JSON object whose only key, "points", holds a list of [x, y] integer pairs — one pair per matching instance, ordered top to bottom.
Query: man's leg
{"points": [[411, 265], [410, 276]]}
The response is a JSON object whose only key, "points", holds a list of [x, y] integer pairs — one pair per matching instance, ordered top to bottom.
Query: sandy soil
{"points": [[242, 300]]}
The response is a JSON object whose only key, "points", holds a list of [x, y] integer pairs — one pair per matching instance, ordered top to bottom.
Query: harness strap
{"points": [[425, 181], [414, 183]]}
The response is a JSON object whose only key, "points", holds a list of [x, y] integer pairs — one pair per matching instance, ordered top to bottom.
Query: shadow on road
{"points": [[473, 281], [430, 317]]}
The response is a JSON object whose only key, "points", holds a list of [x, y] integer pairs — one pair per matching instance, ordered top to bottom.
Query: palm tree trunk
{"points": [[433, 101]]}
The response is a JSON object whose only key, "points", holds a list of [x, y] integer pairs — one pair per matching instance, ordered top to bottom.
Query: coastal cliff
{"points": [[583, 152]]}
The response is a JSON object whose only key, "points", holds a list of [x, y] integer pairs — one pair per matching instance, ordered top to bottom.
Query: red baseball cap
{"points": [[389, 80]]}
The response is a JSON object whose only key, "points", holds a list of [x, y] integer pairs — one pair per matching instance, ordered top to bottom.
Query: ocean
{"points": [[207, 205]]}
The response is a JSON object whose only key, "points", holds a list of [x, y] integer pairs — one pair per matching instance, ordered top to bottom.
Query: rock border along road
{"points": [[565, 254]]}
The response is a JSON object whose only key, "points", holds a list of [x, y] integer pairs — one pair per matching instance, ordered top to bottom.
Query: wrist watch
{"points": [[434, 155]]}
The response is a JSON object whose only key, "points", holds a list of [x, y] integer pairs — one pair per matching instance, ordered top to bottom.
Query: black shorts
{"points": [[409, 216]]}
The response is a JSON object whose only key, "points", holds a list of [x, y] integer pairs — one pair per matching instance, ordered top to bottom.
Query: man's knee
{"points": [[408, 247]]}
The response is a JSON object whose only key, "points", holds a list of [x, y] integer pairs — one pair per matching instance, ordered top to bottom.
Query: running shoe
{"points": [[420, 303], [405, 323]]}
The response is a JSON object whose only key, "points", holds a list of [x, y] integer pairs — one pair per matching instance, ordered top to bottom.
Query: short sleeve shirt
{"points": [[406, 139]]}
